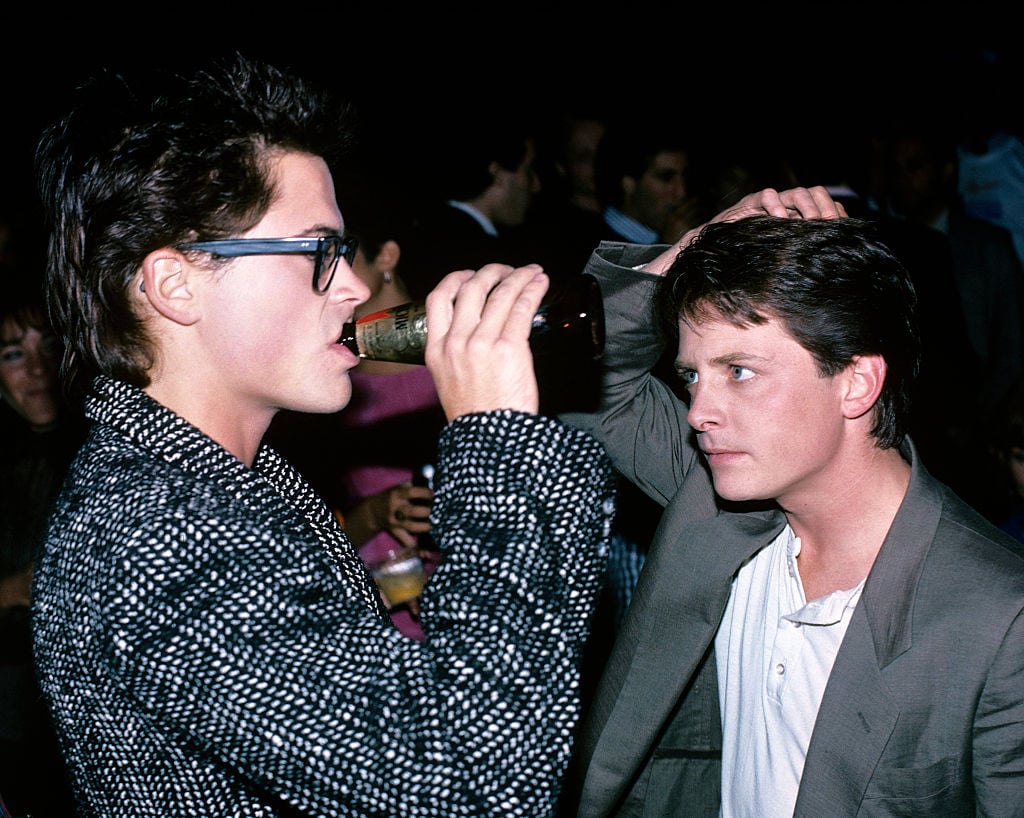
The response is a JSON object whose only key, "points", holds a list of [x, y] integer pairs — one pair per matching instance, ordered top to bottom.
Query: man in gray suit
{"points": [[821, 627]]}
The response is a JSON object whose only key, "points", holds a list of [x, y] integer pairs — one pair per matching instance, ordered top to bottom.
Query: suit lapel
{"points": [[671, 622], [857, 714], [856, 718]]}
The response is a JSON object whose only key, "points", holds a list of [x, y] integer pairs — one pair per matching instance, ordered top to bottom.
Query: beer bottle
{"points": [[569, 324]]}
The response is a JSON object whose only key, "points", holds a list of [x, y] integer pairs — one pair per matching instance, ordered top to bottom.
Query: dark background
{"points": [[737, 73]]}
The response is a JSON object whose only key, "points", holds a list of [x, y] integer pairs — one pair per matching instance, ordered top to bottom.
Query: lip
{"points": [[347, 354], [39, 396], [719, 456]]}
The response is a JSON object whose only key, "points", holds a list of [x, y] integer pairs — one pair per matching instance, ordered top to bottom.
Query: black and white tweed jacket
{"points": [[210, 644]]}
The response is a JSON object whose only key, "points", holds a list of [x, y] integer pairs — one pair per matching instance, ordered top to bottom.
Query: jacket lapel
{"points": [[672, 619], [857, 714], [855, 720]]}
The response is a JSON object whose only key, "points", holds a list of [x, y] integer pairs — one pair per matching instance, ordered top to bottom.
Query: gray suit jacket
{"points": [[923, 713]]}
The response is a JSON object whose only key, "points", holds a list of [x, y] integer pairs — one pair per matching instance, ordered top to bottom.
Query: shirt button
{"points": [[780, 668]]}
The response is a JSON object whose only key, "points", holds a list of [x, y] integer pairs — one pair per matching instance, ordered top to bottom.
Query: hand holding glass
{"points": [[399, 574]]}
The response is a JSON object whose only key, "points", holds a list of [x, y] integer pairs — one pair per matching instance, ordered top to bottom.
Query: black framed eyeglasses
{"points": [[326, 250]]}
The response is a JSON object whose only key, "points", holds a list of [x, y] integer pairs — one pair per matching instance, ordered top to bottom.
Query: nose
{"points": [[679, 187], [347, 286], [38, 362], [702, 414]]}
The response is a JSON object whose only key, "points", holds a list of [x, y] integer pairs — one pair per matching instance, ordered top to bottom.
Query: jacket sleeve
{"points": [[640, 421], [250, 652], [999, 730]]}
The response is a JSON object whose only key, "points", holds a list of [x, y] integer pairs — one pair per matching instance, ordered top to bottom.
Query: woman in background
{"points": [[39, 435]]}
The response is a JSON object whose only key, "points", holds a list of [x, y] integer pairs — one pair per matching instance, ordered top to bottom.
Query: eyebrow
{"points": [[323, 230], [10, 340], [727, 359]]}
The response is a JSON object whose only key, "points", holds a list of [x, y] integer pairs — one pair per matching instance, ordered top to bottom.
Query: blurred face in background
{"points": [[579, 154], [519, 187], [653, 198], [28, 371]]}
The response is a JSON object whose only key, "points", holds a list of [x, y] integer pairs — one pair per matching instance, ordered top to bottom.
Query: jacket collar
{"points": [[271, 491]]}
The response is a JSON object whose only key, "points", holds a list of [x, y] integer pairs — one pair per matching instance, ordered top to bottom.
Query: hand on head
{"points": [[793, 203], [478, 348]]}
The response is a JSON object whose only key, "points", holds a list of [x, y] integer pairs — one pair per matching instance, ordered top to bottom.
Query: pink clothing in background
{"points": [[379, 401]]}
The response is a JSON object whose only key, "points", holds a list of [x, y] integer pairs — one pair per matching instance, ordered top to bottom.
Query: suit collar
{"points": [[275, 494], [889, 592]]}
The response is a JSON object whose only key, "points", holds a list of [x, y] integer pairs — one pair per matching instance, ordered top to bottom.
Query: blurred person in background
{"points": [[481, 179], [39, 435]]}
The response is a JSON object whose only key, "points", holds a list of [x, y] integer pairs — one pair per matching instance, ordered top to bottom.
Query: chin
{"points": [[321, 402], [332, 406], [737, 493]]}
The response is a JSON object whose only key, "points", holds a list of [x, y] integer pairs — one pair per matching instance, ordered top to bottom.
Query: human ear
{"points": [[495, 170], [628, 186], [387, 257], [166, 285], [865, 376]]}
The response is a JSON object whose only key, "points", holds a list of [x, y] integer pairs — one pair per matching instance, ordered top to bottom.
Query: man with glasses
{"points": [[207, 638]]}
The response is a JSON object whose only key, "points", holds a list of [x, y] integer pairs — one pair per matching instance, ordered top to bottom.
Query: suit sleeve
{"points": [[640, 421], [999, 730]]}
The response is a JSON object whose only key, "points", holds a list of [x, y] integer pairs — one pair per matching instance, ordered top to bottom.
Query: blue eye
{"points": [[741, 373], [688, 376]]}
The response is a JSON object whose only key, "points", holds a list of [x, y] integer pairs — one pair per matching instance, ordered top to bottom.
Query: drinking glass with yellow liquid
{"points": [[399, 575]]}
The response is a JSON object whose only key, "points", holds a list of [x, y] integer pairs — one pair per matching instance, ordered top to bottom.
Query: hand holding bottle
{"points": [[478, 349]]}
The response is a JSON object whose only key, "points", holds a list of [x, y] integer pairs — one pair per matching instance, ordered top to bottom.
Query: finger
{"points": [[763, 201], [770, 201], [810, 203], [826, 206], [468, 288], [477, 303], [509, 308], [420, 494], [415, 515], [405, 537]]}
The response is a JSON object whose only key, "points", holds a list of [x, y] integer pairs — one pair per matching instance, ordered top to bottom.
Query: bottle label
{"points": [[398, 334]]}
